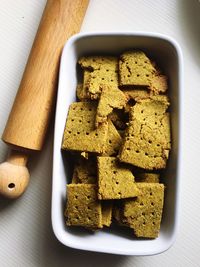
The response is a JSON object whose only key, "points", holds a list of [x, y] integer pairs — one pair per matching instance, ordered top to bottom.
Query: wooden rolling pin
{"points": [[29, 118]]}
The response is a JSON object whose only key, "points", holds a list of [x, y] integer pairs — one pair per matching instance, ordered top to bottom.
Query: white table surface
{"points": [[26, 237]]}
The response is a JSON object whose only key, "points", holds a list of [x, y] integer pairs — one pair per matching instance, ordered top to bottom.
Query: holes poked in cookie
{"points": [[80, 131], [111, 182], [84, 210], [141, 215]]}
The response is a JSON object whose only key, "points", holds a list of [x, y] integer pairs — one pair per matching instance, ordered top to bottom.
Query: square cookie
{"points": [[135, 68], [80, 133], [114, 180], [83, 207]]}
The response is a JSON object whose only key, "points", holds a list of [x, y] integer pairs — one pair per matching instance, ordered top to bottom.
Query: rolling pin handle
{"points": [[14, 175]]}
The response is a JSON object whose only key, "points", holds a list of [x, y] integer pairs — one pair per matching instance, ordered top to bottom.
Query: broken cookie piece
{"points": [[136, 69], [102, 71], [111, 97], [147, 139], [85, 172], [144, 213]]}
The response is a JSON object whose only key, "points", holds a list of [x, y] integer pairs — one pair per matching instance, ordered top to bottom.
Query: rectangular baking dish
{"points": [[167, 53]]}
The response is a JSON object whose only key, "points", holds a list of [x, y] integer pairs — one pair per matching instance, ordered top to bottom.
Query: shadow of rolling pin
{"points": [[29, 118]]}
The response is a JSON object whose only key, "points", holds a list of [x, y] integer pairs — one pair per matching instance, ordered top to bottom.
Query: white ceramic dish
{"points": [[165, 51]]}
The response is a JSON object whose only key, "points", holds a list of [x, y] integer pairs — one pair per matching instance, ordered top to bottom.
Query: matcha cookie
{"points": [[136, 69], [102, 71], [111, 97], [80, 132], [147, 139], [113, 142], [85, 172], [114, 180], [83, 207], [144, 213]]}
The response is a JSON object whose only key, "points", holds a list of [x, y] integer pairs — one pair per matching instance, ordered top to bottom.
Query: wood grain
{"points": [[30, 114], [14, 175]]}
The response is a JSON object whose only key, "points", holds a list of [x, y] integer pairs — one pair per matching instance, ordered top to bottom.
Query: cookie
{"points": [[136, 69], [102, 71], [99, 79], [137, 95], [111, 97], [80, 133], [147, 139], [113, 142], [85, 172], [114, 180], [83, 207], [143, 214]]}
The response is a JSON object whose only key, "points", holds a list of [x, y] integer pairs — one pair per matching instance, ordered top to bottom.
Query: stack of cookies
{"points": [[118, 134]]}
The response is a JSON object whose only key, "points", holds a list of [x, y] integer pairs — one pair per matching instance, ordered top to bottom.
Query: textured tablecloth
{"points": [[26, 237]]}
